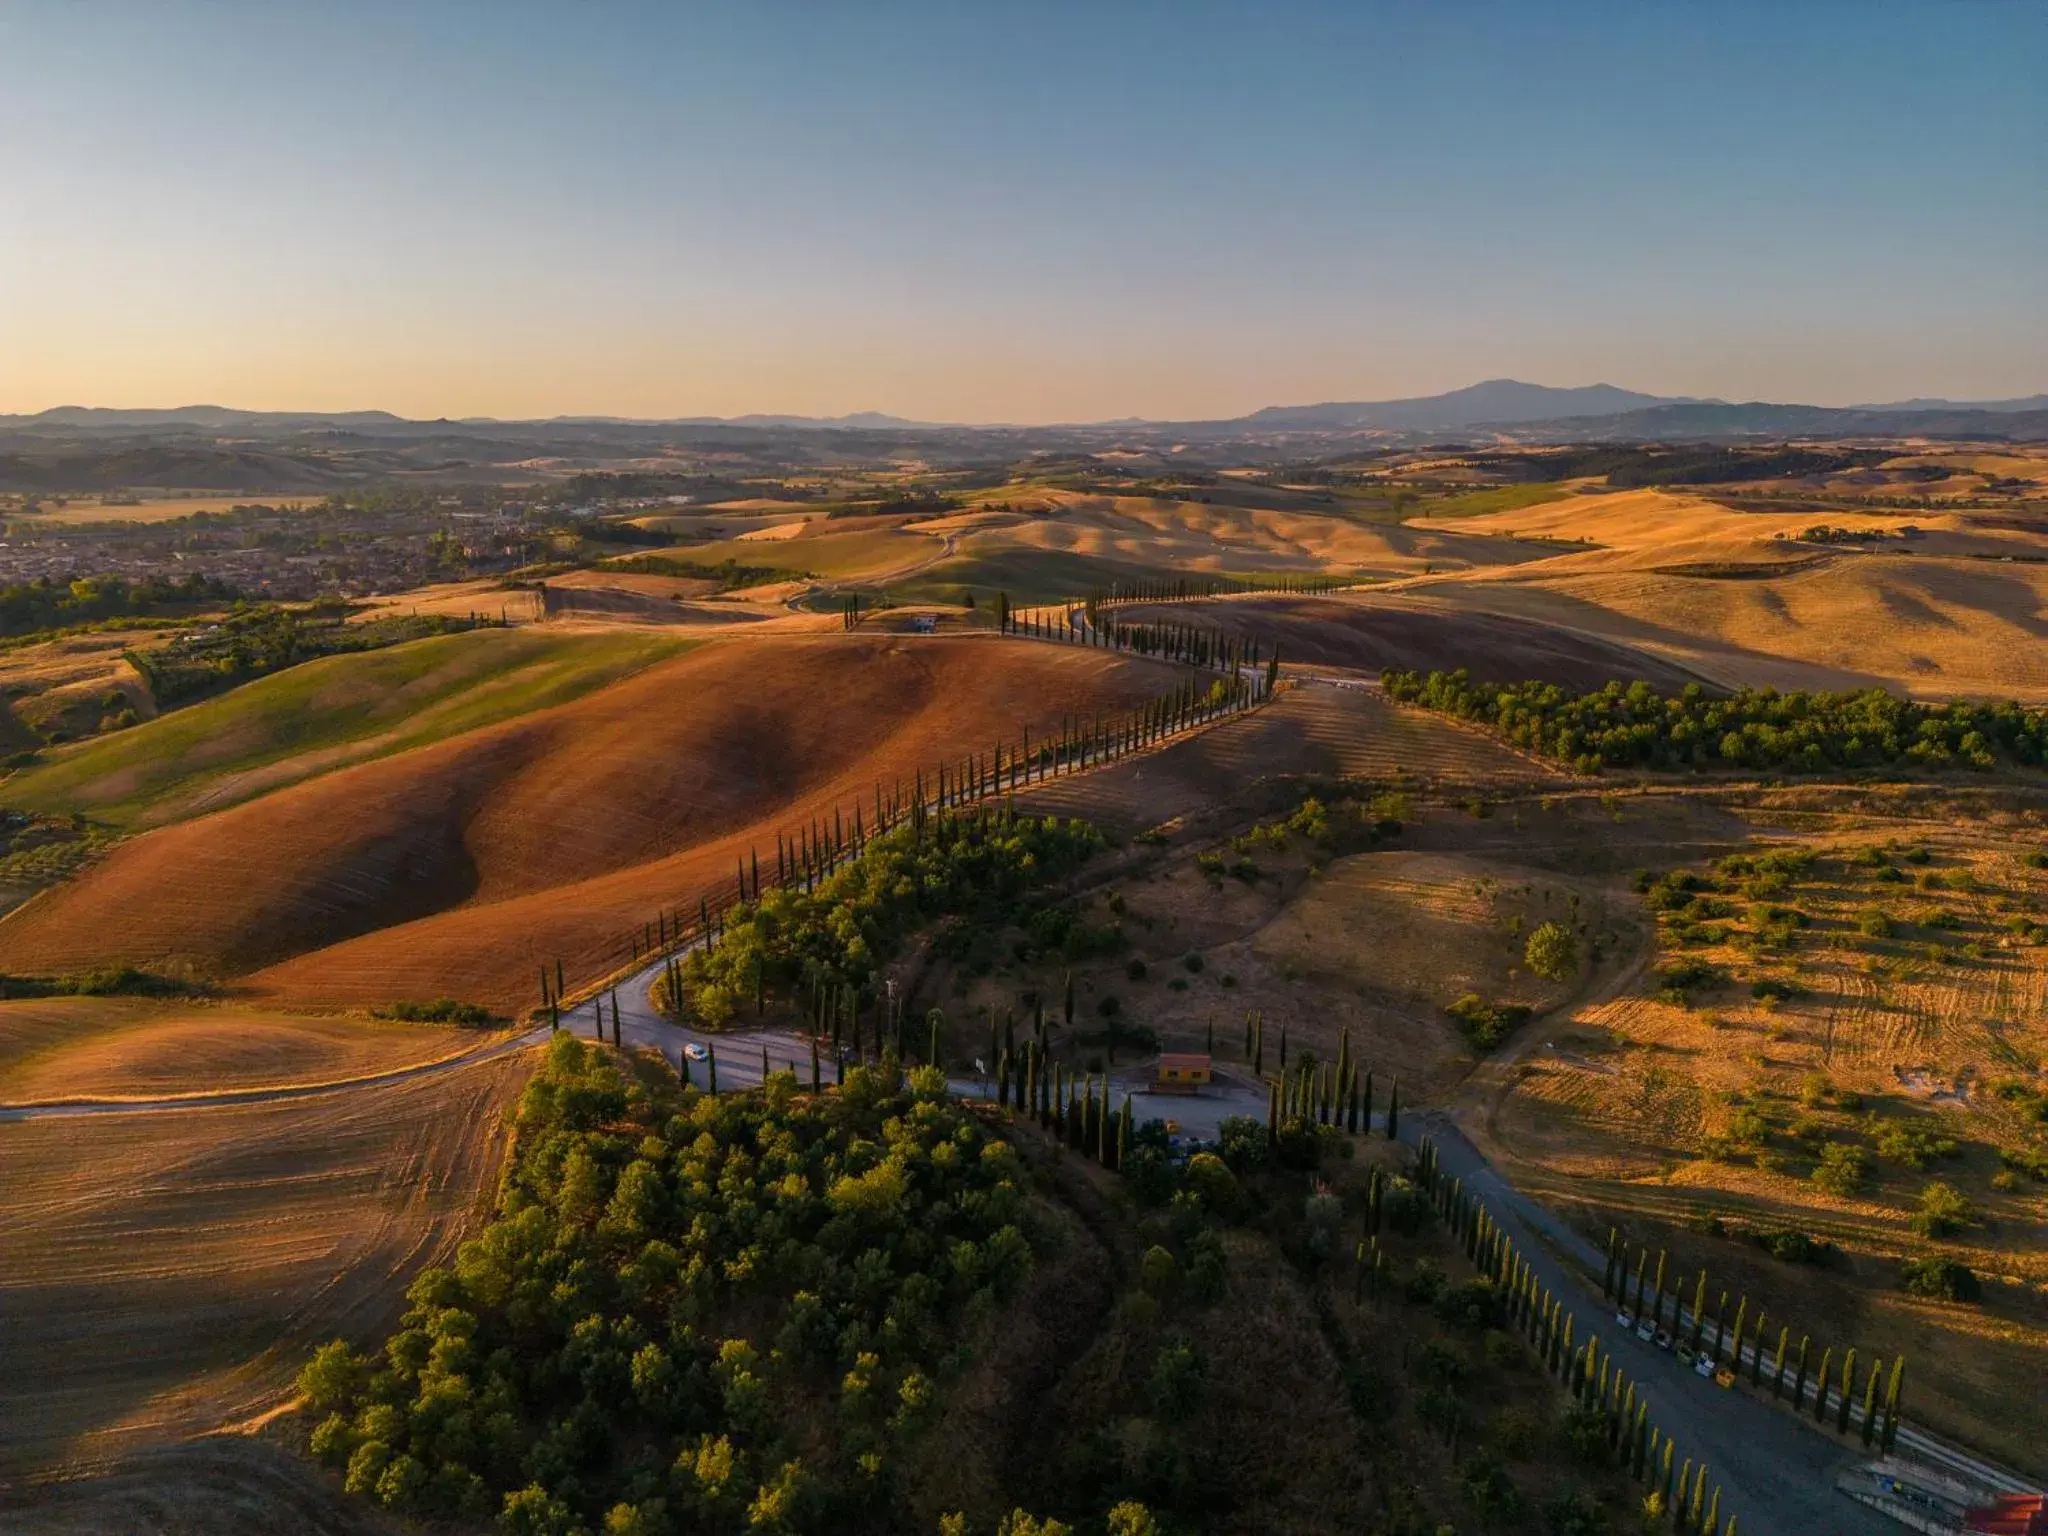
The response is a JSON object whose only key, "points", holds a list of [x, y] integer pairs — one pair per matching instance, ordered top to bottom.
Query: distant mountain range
{"points": [[1496, 400], [1504, 407]]}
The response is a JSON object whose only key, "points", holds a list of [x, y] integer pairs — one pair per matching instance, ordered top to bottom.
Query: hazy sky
{"points": [[974, 211]]}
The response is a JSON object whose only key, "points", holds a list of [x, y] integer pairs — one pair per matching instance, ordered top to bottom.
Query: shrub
{"points": [[1874, 925], [1552, 952], [1192, 960], [1134, 968], [442, 1010], [1486, 1024], [1912, 1146], [1842, 1169], [1943, 1212], [1790, 1246], [1940, 1279]]}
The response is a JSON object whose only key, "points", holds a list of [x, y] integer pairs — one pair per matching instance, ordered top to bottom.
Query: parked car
{"points": [[695, 1050]]}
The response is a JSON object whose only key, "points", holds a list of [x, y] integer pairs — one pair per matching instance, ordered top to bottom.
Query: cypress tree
{"points": [[560, 989], [1067, 1002], [1259, 1045], [1283, 1047], [817, 1077], [1365, 1104], [1394, 1110], [1607, 1272], [1699, 1310], [1778, 1366], [1799, 1380], [1820, 1385], [1848, 1391], [1891, 1402], [1870, 1403]]}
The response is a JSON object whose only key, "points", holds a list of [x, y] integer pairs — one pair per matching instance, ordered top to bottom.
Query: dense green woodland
{"points": [[29, 606], [1635, 726], [975, 869], [691, 1313]]}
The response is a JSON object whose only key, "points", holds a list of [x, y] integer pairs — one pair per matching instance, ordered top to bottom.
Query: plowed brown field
{"points": [[1367, 632], [458, 868], [167, 1273]]}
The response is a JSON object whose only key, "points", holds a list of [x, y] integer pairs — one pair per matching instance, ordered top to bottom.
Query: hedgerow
{"points": [[1635, 726]]}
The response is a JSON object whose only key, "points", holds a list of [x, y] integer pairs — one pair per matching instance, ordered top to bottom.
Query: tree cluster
{"points": [[29, 606], [1801, 732], [835, 931], [690, 1313]]}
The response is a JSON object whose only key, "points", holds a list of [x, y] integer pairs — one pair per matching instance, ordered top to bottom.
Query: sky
{"points": [[1020, 212]]}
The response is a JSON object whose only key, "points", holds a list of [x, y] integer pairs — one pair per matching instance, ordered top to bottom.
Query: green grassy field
{"points": [[1505, 498], [1028, 575], [335, 711]]}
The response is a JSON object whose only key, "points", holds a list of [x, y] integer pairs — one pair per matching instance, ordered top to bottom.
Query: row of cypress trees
{"points": [[1180, 588], [1213, 650], [809, 853], [1338, 1094], [1594, 1378], [1878, 1420]]}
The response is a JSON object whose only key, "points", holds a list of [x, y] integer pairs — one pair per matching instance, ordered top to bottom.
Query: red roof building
{"points": [[2020, 1514]]}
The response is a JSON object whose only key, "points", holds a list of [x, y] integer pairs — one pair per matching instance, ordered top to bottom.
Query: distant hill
{"points": [[1495, 400], [2024, 403], [208, 417], [1698, 420]]}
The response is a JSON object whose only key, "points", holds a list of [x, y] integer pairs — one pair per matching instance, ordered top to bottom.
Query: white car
{"points": [[695, 1050]]}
